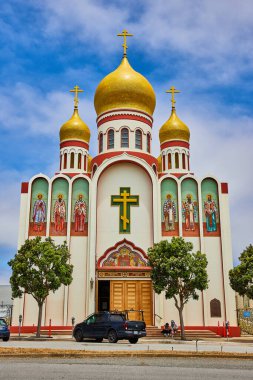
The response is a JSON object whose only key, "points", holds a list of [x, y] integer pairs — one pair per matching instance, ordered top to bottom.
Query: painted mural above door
{"points": [[123, 255]]}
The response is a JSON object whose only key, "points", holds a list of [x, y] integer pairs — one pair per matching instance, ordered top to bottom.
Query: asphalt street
{"points": [[125, 369]]}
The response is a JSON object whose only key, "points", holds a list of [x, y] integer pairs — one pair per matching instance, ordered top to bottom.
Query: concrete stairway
{"points": [[154, 332]]}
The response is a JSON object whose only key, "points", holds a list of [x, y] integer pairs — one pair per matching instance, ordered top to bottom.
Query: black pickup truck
{"points": [[109, 325]]}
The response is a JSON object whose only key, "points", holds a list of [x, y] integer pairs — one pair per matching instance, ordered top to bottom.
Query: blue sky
{"points": [[202, 47]]}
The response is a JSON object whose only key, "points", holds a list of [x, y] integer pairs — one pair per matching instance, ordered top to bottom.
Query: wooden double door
{"points": [[136, 295]]}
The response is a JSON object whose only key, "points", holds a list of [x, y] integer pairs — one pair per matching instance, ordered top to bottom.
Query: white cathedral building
{"points": [[111, 208]]}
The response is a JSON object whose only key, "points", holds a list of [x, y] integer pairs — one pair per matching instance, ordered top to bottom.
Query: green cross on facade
{"points": [[124, 200]]}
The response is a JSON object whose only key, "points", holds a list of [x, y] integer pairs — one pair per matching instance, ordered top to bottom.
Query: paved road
{"points": [[142, 345], [125, 369]]}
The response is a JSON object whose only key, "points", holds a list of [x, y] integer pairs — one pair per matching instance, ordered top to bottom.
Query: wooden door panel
{"points": [[117, 295], [136, 295], [131, 298], [146, 300]]}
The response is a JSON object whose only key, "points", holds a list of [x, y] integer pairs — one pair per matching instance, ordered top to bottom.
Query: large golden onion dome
{"points": [[124, 88], [75, 129], [174, 129]]}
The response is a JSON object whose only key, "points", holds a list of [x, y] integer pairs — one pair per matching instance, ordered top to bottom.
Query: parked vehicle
{"points": [[109, 325], [4, 330]]}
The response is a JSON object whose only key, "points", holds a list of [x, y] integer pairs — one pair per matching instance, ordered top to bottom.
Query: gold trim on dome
{"points": [[124, 88]]}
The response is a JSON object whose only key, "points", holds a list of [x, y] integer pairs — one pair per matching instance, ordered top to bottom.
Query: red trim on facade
{"points": [[124, 110], [124, 117], [80, 144], [168, 144], [104, 156], [70, 175], [24, 187], [224, 188], [109, 250], [234, 331]]}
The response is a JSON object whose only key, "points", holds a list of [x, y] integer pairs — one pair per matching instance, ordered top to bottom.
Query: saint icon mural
{"points": [[189, 208], [80, 212], [169, 212], [59, 213], [39, 214], [211, 214]]}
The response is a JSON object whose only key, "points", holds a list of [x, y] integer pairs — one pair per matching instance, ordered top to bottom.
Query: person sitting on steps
{"points": [[166, 331]]}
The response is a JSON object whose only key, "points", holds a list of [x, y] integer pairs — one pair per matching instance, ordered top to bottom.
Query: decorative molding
{"points": [[124, 110], [124, 117], [77, 143], [170, 143], [104, 156], [24, 187], [224, 188], [124, 255], [123, 274]]}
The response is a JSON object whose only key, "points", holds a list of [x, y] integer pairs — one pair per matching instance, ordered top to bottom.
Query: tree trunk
{"points": [[180, 310], [39, 320]]}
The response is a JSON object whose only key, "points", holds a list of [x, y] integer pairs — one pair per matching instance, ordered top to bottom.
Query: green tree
{"points": [[38, 268], [178, 272], [241, 277]]}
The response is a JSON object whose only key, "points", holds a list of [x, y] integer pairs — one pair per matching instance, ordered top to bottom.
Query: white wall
{"points": [[116, 176]]}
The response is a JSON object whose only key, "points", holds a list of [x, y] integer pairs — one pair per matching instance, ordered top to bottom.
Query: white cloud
{"points": [[217, 35]]}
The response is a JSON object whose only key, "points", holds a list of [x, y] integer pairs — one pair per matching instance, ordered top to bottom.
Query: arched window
{"points": [[124, 138], [110, 139], [138, 139], [148, 142], [100, 148], [183, 159], [72, 160], [79, 160], [176, 160], [188, 160], [65, 161], [169, 161], [84, 163], [163, 168]]}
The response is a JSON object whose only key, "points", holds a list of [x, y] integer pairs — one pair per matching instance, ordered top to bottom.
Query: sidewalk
{"points": [[29, 346]]}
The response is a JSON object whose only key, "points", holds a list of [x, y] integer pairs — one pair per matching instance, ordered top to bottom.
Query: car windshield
{"points": [[2, 322]]}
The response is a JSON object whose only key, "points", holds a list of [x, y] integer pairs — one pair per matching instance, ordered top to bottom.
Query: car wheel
{"points": [[78, 335], [112, 336], [6, 339], [99, 340], [133, 340]]}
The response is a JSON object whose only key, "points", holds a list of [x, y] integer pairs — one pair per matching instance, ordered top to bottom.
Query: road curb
{"points": [[54, 353]]}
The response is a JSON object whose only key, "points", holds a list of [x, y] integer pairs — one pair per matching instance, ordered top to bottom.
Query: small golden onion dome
{"points": [[124, 88], [75, 129], [174, 129], [159, 164]]}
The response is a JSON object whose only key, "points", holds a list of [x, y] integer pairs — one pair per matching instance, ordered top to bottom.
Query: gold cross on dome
{"points": [[125, 34], [76, 90], [173, 91]]}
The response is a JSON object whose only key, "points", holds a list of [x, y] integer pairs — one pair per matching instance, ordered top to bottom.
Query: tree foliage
{"points": [[38, 268], [178, 272], [241, 277]]}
